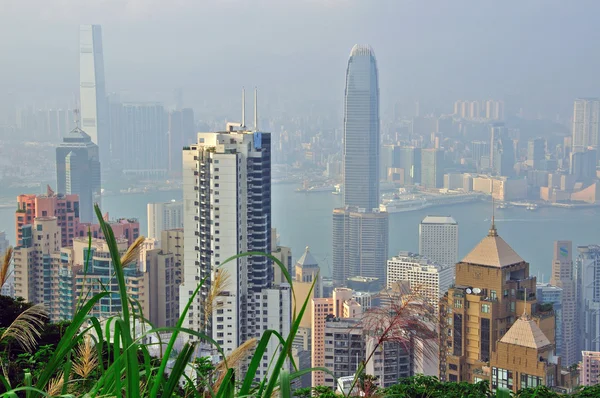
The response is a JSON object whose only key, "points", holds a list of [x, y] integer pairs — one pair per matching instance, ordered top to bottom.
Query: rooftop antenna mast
{"points": [[243, 107], [255, 109], [76, 115], [493, 231]]}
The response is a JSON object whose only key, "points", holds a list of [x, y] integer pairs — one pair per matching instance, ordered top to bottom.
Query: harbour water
{"points": [[305, 220]]}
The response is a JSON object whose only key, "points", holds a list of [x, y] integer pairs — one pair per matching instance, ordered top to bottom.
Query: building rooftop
{"points": [[438, 220], [493, 251], [307, 260], [526, 333]]}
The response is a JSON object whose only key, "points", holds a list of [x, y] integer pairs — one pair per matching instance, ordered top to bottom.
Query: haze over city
{"points": [[539, 54], [389, 195]]}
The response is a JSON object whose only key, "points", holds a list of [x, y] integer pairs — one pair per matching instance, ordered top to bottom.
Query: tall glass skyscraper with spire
{"points": [[92, 91], [361, 130], [360, 230]]}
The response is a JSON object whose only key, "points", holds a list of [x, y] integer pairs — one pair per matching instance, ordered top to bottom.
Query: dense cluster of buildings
{"points": [[485, 317]]}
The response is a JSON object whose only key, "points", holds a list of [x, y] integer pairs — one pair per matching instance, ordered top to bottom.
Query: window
{"points": [[493, 295], [458, 304], [512, 306], [485, 308], [501, 378], [529, 381]]}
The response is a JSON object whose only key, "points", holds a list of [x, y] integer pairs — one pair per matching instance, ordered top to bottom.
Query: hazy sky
{"points": [[541, 53]]}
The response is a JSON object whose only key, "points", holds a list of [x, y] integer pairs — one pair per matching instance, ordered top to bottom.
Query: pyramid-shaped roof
{"points": [[493, 251], [307, 260], [526, 333]]}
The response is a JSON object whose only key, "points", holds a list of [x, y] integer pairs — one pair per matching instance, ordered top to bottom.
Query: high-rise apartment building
{"points": [[92, 91], [586, 116], [361, 130], [536, 152], [410, 163], [582, 165], [432, 168], [78, 171], [64, 207], [227, 211], [164, 216], [123, 228], [360, 231], [438, 239], [360, 244], [283, 254], [33, 259], [100, 276], [564, 277], [163, 278], [426, 278], [492, 288], [8, 289], [552, 295], [588, 300], [321, 308], [590, 368]]}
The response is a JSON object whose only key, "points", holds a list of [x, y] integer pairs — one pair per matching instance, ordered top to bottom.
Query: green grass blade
{"points": [[98, 341], [67, 342], [287, 349], [255, 363], [163, 364], [178, 369], [133, 377], [227, 388], [285, 389]]}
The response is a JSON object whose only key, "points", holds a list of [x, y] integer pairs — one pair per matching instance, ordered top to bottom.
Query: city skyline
{"points": [[209, 192]]}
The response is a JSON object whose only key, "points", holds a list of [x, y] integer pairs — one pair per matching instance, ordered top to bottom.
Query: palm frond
{"points": [[133, 253], [4, 269], [218, 285], [26, 329], [86, 359], [234, 359], [55, 385]]}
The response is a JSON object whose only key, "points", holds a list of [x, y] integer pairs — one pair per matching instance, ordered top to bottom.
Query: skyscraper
{"points": [[92, 92], [586, 116], [361, 130], [144, 139], [479, 149], [536, 152], [502, 155], [410, 162], [78, 171], [432, 171], [227, 211], [360, 231], [438, 239], [360, 244], [563, 276], [588, 304]]}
